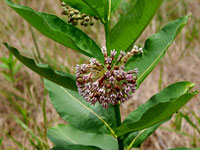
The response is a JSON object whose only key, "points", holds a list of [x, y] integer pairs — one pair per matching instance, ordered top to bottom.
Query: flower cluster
{"points": [[74, 16], [107, 83]]}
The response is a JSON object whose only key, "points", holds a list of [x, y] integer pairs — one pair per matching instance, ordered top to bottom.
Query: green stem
{"points": [[106, 28], [118, 121]]}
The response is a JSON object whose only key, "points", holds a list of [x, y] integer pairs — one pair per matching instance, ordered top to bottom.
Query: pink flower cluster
{"points": [[107, 83]]}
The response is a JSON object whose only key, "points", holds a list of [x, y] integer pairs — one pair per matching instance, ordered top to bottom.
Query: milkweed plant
{"points": [[89, 101]]}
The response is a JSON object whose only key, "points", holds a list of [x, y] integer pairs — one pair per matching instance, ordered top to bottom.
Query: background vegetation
{"points": [[25, 110]]}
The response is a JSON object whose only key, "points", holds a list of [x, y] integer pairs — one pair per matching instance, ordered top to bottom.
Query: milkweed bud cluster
{"points": [[75, 17], [107, 83]]}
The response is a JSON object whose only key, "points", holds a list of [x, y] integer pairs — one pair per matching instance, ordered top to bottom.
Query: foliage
{"points": [[10, 67], [91, 126]]}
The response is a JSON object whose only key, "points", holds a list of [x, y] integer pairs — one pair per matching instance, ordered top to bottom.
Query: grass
{"points": [[26, 111]]}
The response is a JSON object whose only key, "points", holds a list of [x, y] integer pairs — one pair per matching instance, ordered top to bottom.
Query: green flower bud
{"points": [[63, 4], [76, 11], [65, 12], [71, 13], [83, 16], [74, 17], [78, 17], [95, 17], [87, 18], [70, 20], [74, 22], [82, 23], [91, 23], [85, 24]]}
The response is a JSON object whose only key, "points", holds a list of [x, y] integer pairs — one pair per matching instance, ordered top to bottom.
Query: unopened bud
{"points": [[63, 4], [76, 11], [65, 12], [71, 13], [83, 16], [78, 17], [87, 18], [96, 18], [70, 20], [74, 22], [82, 23], [91, 23], [85, 24], [80, 80], [108, 85], [117, 87]]}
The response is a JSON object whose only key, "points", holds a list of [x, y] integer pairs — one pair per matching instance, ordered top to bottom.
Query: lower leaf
{"points": [[67, 137], [135, 139]]}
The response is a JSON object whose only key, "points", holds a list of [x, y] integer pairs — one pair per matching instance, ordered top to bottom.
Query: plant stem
{"points": [[106, 28], [118, 121]]}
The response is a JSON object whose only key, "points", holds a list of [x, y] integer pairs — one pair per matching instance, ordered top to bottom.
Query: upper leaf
{"points": [[114, 5], [130, 26], [58, 30], [155, 48], [61, 78], [160, 107], [78, 113], [66, 136], [135, 139]]}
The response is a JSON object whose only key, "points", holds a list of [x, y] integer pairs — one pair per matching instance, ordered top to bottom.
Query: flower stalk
{"points": [[118, 121]]}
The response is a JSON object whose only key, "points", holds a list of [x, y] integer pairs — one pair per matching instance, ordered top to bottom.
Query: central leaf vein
{"points": [[90, 110]]}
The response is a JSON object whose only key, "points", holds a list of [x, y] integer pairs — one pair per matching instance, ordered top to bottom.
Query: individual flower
{"points": [[107, 83]]}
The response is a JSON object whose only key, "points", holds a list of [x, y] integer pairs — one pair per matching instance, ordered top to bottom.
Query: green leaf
{"points": [[114, 5], [91, 7], [131, 25], [58, 30], [155, 48], [4, 66], [63, 79], [160, 107], [79, 113], [187, 118], [178, 121], [27, 129], [65, 135], [135, 139], [1, 140], [75, 147]]}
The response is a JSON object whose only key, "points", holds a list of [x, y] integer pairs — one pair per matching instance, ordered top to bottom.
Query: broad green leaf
{"points": [[114, 5], [91, 7], [131, 25], [58, 30], [155, 48], [61, 78], [160, 107], [79, 113], [65, 135], [135, 139], [75, 147]]}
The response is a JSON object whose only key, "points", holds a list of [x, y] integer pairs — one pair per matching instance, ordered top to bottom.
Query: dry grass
{"points": [[180, 63]]}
